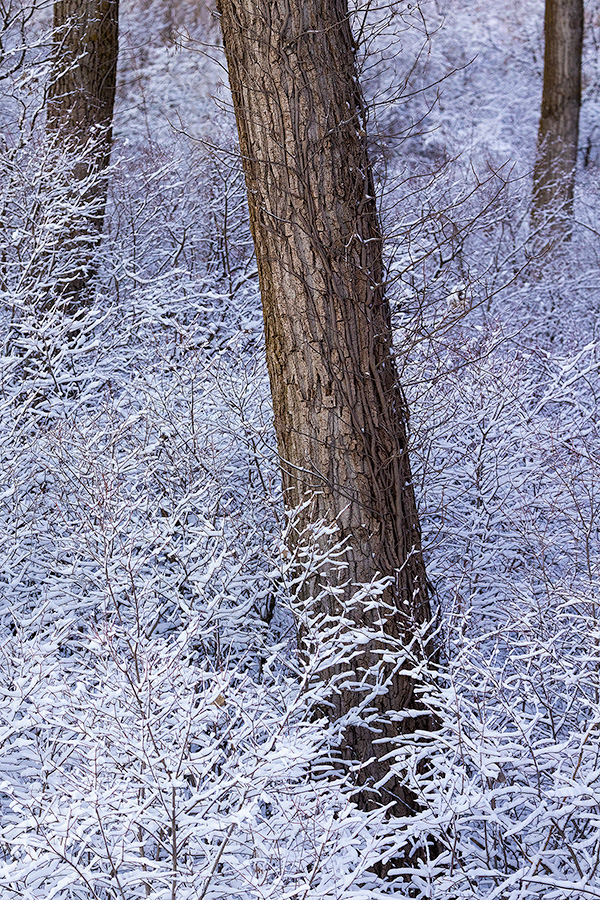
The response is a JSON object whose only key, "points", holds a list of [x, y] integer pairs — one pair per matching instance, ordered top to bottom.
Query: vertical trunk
{"points": [[81, 95], [80, 107], [554, 173], [340, 415]]}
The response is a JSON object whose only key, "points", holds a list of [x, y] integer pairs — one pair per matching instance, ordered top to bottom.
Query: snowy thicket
{"points": [[160, 736]]}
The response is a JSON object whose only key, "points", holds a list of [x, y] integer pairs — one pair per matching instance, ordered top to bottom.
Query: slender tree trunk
{"points": [[80, 107], [554, 173], [340, 415]]}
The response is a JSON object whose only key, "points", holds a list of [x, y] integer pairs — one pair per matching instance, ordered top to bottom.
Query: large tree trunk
{"points": [[80, 107], [558, 135], [340, 415]]}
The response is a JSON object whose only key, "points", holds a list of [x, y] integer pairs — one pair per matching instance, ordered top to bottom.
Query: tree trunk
{"points": [[80, 107], [558, 135], [340, 415]]}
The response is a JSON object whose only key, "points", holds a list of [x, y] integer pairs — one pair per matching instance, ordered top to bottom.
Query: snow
{"points": [[160, 736]]}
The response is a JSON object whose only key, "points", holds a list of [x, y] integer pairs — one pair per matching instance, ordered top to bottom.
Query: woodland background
{"points": [[158, 733]]}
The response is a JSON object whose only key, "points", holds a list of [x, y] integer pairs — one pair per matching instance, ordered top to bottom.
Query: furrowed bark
{"points": [[80, 107], [558, 134], [340, 414]]}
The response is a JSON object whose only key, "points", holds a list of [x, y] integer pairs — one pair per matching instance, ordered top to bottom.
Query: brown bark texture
{"points": [[81, 95], [80, 106], [558, 134], [340, 414]]}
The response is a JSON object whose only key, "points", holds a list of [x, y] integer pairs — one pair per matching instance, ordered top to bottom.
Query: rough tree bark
{"points": [[80, 106], [558, 134], [340, 414]]}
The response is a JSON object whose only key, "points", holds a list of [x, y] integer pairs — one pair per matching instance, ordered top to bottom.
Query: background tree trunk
{"points": [[81, 99], [558, 134], [340, 415]]}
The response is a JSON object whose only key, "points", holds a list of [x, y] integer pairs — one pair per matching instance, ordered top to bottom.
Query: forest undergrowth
{"points": [[160, 736]]}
